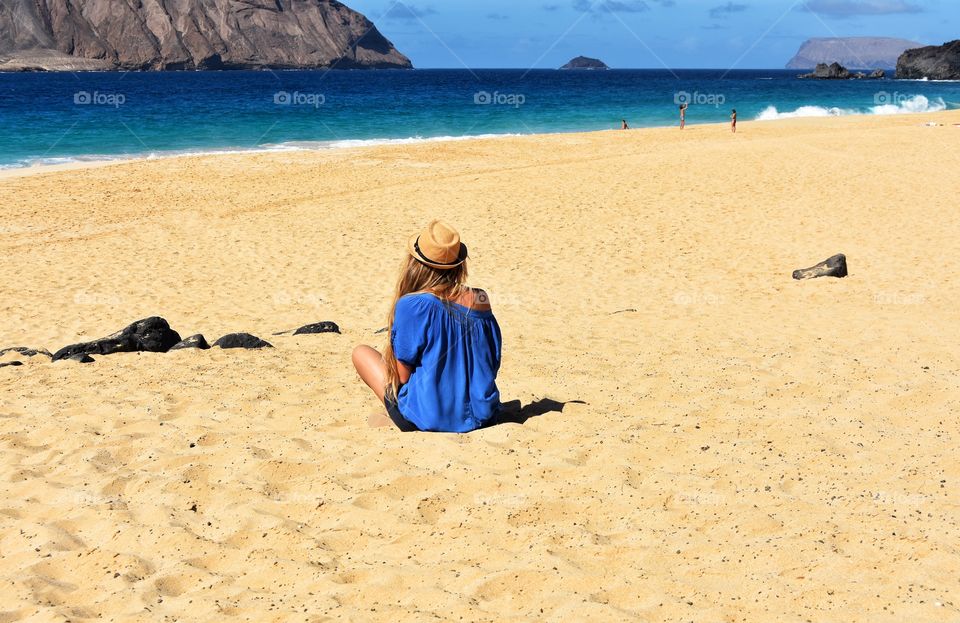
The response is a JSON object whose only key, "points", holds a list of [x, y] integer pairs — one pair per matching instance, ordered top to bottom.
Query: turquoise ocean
{"points": [[48, 118]]}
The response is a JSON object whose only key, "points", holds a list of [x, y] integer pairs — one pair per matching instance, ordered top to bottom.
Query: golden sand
{"points": [[734, 445]]}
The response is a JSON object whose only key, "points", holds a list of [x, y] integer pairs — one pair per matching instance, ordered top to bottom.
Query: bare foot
{"points": [[379, 420]]}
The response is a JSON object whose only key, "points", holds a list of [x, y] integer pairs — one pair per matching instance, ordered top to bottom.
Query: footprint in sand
{"points": [[211, 439], [388, 496], [434, 508], [62, 537], [227, 562], [505, 584], [172, 585]]}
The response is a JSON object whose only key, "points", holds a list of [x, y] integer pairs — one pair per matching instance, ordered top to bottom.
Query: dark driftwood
{"points": [[835, 266]]}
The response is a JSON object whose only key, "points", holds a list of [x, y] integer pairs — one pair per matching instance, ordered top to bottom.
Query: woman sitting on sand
{"points": [[439, 369]]}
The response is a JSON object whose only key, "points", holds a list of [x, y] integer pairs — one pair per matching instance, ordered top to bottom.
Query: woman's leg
{"points": [[372, 369]]}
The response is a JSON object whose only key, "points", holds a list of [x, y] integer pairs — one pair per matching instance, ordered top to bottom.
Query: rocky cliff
{"points": [[189, 34], [852, 52], [935, 62]]}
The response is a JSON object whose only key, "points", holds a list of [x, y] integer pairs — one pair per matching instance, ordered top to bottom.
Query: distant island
{"points": [[55, 35], [852, 52], [584, 62], [935, 62]]}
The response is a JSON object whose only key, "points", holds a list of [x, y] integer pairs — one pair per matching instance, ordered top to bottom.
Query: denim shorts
{"points": [[393, 410]]}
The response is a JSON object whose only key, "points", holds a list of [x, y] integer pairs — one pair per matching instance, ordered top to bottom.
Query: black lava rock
{"points": [[935, 62], [834, 71], [835, 266], [319, 327], [152, 335], [241, 340], [194, 341], [26, 352], [80, 358], [11, 363]]}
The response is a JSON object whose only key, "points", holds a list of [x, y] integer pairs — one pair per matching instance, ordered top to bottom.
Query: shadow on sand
{"points": [[514, 412]]}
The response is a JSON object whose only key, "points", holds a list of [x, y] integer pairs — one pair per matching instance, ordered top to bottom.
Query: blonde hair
{"points": [[447, 285]]}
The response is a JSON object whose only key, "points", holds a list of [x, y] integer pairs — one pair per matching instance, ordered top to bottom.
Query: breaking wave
{"points": [[915, 104]]}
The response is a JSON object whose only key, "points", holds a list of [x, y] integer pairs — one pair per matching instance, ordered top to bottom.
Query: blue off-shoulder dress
{"points": [[454, 352]]}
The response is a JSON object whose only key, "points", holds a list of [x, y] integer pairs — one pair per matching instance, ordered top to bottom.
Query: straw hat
{"points": [[438, 246]]}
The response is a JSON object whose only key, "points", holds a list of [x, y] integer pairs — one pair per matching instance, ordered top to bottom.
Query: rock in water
{"points": [[69, 35], [584, 62], [935, 62], [834, 71], [835, 266], [319, 327], [150, 334], [241, 340], [194, 341]]}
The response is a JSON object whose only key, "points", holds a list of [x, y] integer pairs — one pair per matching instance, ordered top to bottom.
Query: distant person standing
{"points": [[683, 116], [733, 121], [624, 125]]}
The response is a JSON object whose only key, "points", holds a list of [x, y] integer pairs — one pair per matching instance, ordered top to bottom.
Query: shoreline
{"points": [[339, 146]]}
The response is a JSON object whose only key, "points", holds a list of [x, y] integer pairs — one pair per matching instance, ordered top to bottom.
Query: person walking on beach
{"points": [[683, 116], [733, 121], [624, 125], [439, 369]]}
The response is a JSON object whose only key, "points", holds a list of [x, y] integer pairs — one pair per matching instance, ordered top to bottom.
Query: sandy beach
{"points": [[705, 438]]}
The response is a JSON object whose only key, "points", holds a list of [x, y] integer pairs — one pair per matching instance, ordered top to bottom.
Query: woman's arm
{"points": [[403, 372]]}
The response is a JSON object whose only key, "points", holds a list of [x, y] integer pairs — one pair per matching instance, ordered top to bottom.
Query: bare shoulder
{"points": [[481, 300]]}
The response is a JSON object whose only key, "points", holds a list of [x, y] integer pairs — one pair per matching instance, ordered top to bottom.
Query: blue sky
{"points": [[643, 33]]}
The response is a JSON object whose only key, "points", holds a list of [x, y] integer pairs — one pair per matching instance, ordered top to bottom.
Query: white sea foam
{"points": [[923, 80], [915, 104], [770, 113], [353, 143], [278, 147]]}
